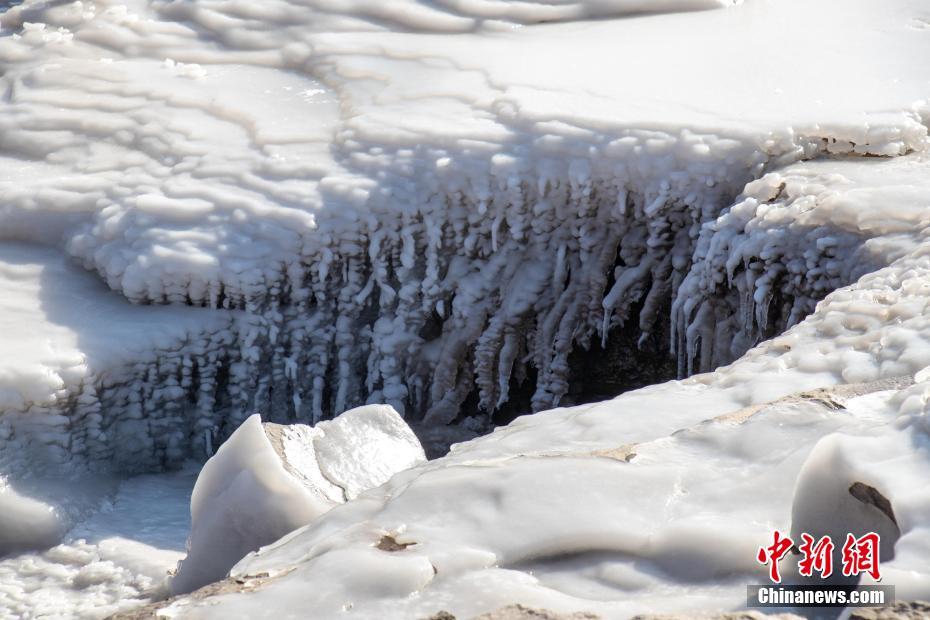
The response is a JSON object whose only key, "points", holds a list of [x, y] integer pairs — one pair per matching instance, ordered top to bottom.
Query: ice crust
{"points": [[243, 498], [620, 524]]}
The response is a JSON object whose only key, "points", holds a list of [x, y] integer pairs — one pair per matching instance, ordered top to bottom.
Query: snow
{"points": [[303, 207], [795, 235], [363, 447], [26, 523], [664, 524], [107, 545]]}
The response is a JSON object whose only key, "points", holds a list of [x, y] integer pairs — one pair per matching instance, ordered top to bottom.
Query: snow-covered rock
{"points": [[266, 481]]}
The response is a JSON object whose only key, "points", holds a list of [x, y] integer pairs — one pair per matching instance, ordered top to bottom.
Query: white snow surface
{"points": [[402, 201]]}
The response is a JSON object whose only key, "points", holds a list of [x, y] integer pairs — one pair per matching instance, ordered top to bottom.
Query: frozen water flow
{"points": [[85, 375]]}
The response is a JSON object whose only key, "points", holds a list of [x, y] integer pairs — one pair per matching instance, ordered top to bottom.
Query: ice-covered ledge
{"points": [[407, 161], [409, 210], [85, 376]]}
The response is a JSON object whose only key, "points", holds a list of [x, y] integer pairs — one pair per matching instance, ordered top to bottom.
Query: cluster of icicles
{"points": [[459, 298]]}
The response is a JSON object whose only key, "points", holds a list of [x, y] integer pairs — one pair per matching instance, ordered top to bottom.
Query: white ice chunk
{"points": [[362, 448], [266, 482], [243, 499]]}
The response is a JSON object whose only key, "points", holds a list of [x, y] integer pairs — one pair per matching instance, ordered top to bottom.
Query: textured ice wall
{"points": [[412, 217], [792, 237], [85, 375], [658, 499]]}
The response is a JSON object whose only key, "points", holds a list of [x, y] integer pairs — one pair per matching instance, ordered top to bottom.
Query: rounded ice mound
{"points": [[268, 480], [837, 496], [26, 523]]}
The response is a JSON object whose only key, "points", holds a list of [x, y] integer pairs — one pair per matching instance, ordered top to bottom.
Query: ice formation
{"points": [[304, 206], [401, 209], [793, 236], [86, 376], [264, 483], [243, 499], [26, 523], [122, 538]]}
